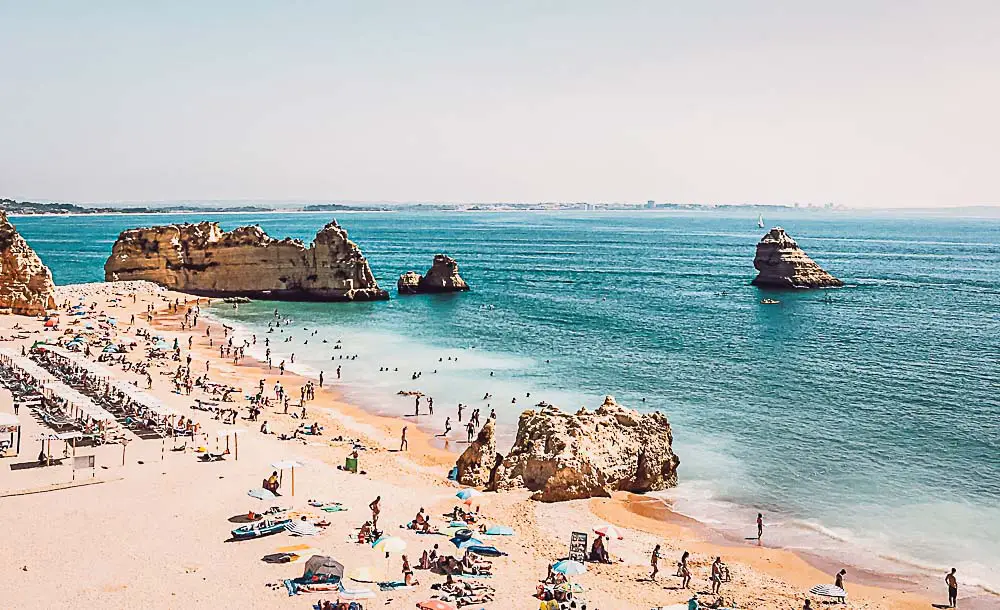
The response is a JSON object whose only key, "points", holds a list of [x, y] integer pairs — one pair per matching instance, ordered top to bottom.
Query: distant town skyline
{"points": [[886, 104]]}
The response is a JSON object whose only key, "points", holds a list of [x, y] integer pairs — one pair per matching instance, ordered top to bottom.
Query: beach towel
{"points": [[336, 508], [396, 585]]}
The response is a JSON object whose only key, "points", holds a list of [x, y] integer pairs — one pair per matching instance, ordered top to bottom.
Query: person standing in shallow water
{"points": [[760, 525], [952, 582]]}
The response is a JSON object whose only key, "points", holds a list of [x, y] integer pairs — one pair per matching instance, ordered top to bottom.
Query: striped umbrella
{"points": [[828, 591]]}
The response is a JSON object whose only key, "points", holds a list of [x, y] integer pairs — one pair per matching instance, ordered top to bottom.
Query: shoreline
{"points": [[637, 510], [764, 578]]}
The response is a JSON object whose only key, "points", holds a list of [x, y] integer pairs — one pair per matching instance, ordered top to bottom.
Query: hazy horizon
{"points": [[862, 104]]}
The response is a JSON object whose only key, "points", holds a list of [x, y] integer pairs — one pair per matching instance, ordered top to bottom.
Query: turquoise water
{"points": [[865, 421]]}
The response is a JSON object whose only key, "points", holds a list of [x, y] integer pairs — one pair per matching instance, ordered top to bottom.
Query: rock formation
{"points": [[203, 259], [782, 264], [441, 277], [409, 283], [26, 286], [562, 456], [478, 463]]}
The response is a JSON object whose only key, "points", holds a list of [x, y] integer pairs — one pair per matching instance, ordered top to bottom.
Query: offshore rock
{"points": [[204, 260], [782, 264], [441, 277], [409, 283], [26, 286], [562, 456], [478, 463]]}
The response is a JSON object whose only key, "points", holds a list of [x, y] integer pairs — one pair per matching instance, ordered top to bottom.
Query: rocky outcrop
{"points": [[203, 259], [783, 264], [441, 277], [409, 283], [26, 286], [562, 456], [478, 463]]}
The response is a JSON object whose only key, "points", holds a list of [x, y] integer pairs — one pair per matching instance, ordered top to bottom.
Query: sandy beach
{"points": [[150, 525]]}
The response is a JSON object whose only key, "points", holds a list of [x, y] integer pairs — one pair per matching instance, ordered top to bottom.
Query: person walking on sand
{"points": [[447, 426], [471, 430], [403, 445], [375, 511], [760, 525], [653, 560], [685, 571], [716, 575], [839, 583], [952, 588]]}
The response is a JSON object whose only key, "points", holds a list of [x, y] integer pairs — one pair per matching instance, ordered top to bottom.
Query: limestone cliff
{"points": [[203, 259], [782, 264], [441, 277], [26, 286], [562, 456], [478, 463]]}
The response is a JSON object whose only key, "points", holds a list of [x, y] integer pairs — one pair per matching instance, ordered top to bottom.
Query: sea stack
{"points": [[204, 260], [783, 264], [441, 277], [26, 286], [562, 456]]}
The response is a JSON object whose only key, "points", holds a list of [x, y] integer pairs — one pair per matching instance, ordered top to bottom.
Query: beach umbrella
{"points": [[110, 349], [283, 465], [467, 493], [302, 528], [500, 530], [608, 531], [467, 542], [389, 544], [569, 567], [828, 591], [435, 604]]}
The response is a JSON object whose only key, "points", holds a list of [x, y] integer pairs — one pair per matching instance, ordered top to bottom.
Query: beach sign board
{"points": [[83, 462], [578, 546]]}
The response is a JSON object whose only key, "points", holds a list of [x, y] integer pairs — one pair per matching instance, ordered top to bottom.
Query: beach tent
{"points": [[321, 568]]}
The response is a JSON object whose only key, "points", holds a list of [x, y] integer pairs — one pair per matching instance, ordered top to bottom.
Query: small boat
{"points": [[760, 221], [769, 302], [264, 527]]}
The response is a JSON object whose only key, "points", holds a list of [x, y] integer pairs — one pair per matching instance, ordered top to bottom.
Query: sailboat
{"points": [[760, 221]]}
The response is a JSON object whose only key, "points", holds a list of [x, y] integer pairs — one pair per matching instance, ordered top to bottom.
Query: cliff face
{"points": [[203, 259], [782, 264], [441, 277], [26, 286], [562, 456], [478, 463]]}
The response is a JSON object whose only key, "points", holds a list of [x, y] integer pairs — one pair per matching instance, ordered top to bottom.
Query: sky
{"points": [[860, 103]]}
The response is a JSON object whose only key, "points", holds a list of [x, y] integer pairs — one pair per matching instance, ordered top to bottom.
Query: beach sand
{"points": [[152, 532]]}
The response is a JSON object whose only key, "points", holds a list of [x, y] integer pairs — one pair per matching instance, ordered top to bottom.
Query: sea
{"points": [[864, 422]]}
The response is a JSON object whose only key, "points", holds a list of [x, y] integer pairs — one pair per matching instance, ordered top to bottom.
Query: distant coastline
{"points": [[29, 208]]}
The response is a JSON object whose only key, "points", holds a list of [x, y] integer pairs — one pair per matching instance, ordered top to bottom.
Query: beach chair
{"points": [[212, 457]]}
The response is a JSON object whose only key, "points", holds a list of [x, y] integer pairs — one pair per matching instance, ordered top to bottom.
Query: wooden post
{"points": [[236, 442], [123, 454], [293, 480]]}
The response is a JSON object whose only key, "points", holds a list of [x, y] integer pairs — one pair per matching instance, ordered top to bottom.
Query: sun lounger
{"points": [[212, 457], [395, 585]]}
